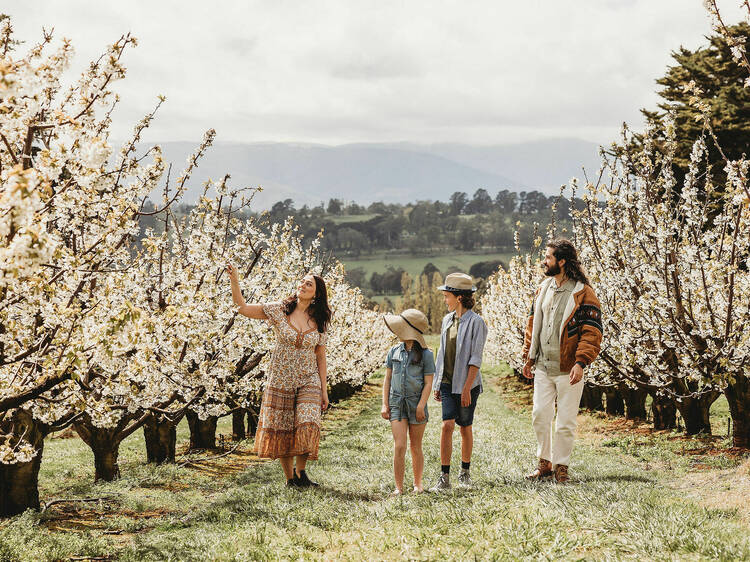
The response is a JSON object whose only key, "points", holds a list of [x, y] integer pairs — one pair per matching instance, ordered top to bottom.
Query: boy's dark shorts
{"points": [[452, 409]]}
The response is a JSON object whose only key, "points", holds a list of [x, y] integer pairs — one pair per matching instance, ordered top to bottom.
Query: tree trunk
{"points": [[341, 391], [738, 396], [592, 397], [635, 402], [615, 403], [664, 411], [695, 413], [252, 420], [238, 424], [202, 432], [161, 439], [105, 444], [19, 482]]}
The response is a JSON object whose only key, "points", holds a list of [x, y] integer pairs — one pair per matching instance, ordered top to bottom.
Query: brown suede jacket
{"points": [[581, 332]]}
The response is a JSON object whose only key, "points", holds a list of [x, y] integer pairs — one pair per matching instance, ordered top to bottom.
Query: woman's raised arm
{"points": [[249, 310]]}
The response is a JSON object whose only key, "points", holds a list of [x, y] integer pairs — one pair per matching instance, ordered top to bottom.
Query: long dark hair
{"points": [[563, 249], [319, 310], [416, 347]]}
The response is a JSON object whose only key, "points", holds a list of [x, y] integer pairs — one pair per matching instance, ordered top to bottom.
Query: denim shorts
{"points": [[406, 408], [452, 409]]}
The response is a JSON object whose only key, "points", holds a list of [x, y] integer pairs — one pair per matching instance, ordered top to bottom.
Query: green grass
{"points": [[343, 219], [414, 265], [719, 415], [620, 504]]}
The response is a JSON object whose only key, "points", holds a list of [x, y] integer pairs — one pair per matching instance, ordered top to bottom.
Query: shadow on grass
{"points": [[269, 477], [614, 478], [520, 482], [344, 495]]}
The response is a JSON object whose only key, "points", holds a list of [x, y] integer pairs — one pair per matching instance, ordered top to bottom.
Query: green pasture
{"points": [[344, 219], [415, 264], [395, 299]]}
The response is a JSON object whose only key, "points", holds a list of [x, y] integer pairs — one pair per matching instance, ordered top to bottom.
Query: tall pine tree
{"points": [[720, 80]]}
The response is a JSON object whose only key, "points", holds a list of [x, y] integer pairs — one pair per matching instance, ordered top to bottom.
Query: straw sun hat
{"points": [[458, 283], [411, 324]]}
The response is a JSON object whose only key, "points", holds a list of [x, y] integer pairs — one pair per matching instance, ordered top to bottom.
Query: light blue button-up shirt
{"points": [[472, 334]]}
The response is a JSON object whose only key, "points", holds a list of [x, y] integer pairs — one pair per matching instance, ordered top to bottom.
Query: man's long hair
{"points": [[563, 249], [318, 310]]}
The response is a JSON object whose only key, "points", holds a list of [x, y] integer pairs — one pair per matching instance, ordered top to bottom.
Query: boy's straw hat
{"points": [[458, 283], [411, 324]]}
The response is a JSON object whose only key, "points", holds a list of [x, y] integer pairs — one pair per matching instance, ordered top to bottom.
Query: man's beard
{"points": [[552, 271]]}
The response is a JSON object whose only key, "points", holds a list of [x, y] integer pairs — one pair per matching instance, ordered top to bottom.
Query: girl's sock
{"points": [[465, 465], [445, 468]]}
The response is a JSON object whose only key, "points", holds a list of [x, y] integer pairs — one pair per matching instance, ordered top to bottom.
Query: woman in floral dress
{"points": [[295, 392]]}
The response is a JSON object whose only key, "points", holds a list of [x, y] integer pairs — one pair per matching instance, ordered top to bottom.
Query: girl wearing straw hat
{"points": [[410, 367], [457, 381]]}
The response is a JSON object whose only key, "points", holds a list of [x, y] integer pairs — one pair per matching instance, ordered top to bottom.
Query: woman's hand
{"points": [[232, 272], [437, 396], [466, 397], [324, 402], [385, 412], [421, 412]]}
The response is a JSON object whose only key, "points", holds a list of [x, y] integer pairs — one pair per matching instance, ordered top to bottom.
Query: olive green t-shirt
{"points": [[553, 309], [449, 360]]}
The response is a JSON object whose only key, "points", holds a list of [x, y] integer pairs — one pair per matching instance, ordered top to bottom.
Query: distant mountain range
{"points": [[397, 173]]}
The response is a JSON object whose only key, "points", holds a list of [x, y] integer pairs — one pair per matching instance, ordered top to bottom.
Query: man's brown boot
{"points": [[543, 470], [561, 474]]}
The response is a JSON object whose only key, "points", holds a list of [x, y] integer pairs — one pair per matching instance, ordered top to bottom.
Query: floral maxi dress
{"points": [[289, 421]]}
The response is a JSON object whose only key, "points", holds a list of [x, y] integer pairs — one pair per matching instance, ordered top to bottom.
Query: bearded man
{"points": [[563, 336]]}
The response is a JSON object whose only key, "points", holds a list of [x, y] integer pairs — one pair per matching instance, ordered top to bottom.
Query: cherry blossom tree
{"points": [[69, 208], [673, 279]]}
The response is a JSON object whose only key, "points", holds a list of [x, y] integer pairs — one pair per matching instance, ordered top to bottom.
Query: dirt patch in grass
{"points": [[597, 426], [732, 452], [223, 461], [720, 489], [73, 517]]}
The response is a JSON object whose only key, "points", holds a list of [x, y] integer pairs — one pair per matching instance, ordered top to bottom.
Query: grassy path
{"points": [[620, 505]]}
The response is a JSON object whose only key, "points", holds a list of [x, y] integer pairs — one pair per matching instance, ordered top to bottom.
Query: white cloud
{"points": [[347, 70]]}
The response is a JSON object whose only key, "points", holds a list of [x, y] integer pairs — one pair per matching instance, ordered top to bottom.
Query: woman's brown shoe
{"points": [[543, 470], [561, 474]]}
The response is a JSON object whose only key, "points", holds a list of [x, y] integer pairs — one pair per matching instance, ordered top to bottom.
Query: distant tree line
{"points": [[462, 223]]}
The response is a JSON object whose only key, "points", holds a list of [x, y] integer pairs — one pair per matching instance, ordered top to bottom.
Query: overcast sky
{"points": [[339, 71]]}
